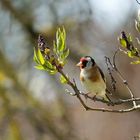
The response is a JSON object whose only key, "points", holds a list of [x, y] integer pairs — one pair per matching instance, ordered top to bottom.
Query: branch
{"points": [[54, 64], [122, 77], [113, 81], [78, 93], [118, 102]]}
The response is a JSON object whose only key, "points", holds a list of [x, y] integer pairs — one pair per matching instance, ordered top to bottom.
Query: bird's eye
{"points": [[84, 63]]}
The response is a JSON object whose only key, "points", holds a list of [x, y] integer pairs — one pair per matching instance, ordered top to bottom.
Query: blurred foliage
{"points": [[22, 104], [32, 113], [23, 116]]}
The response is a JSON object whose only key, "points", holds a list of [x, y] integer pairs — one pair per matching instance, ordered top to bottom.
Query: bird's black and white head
{"points": [[86, 62]]}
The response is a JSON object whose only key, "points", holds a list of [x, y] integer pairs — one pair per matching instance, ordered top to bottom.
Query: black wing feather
{"points": [[102, 74]]}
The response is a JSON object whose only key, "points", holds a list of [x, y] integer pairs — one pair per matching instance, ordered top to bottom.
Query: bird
{"points": [[92, 78]]}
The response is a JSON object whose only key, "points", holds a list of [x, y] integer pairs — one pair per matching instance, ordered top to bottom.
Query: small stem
{"points": [[121, 76], [113, 81], [127, 86], [118, 102], [115, 111]]}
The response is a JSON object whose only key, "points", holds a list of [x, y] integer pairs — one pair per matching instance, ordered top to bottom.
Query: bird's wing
{"points": [[102, 74]]}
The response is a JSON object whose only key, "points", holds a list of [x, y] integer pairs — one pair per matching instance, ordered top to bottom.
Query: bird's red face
{"points": [[86, 62], [82, 63]]}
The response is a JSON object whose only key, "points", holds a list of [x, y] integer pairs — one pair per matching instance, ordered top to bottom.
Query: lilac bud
{"points": [[41, 43]]}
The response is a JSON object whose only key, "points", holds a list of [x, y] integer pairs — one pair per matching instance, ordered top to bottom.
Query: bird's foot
{"points": [[86, 95], [94, 98]]}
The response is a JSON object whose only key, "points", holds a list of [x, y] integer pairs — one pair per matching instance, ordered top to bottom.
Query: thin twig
{"points": [[122, 77], [113, 81], [78, 93], [118, 102]]}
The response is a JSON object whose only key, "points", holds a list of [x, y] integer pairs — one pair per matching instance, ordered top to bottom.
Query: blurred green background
{"points": [[33, 104]]}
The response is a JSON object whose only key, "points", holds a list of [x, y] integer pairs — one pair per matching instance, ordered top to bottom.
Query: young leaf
{"points": [[57, 33], [64, 33], [63, 38], [129, 38], [60, 40], [123, 42], [59, 43], [62, 46], [54, 47], [66, 53], [130, 54], [35, 57], [40, 57], [136, 62], [48, 65], [39, 67], [53, 72], [63, 79]]}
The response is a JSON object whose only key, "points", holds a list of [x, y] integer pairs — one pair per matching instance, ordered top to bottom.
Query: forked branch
{"points": [[54, 60], [78, 94]]}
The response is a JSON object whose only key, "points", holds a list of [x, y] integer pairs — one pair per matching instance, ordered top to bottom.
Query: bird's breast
{"points": [[94, 83]]}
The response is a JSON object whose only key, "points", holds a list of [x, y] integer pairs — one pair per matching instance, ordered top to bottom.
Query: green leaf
{"points": [[57, 33], [64, 33], [63, 38], [129, 38], [60, 39], [123, 42], [59, 43], [59, 46], [54, 47], [62, 47], [135, 51], [66, 53], [130, 54], [35, 57], [40, 57], [136, 62], [48, 65], [39, 67], [53, 72], [63, 79]]}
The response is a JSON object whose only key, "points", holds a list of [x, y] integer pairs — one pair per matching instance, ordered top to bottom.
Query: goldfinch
{"points": [[92, 77]]}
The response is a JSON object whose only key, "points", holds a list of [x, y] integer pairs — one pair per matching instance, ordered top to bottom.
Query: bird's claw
{"points": [[86, 95], [94, 98]]}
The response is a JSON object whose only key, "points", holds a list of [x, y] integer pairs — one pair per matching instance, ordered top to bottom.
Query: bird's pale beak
{"points": [[79, 64]]}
